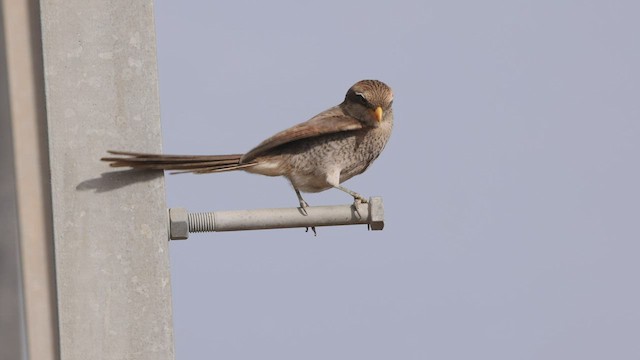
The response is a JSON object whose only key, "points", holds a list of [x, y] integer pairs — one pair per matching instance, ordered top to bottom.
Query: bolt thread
{"points": [[201, 222]]}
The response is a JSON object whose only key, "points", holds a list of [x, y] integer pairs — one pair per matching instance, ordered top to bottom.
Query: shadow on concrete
{"points": [[118, 179]]}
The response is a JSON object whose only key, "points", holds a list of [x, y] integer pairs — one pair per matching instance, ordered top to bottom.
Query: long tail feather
{"points": [[199, 164]]}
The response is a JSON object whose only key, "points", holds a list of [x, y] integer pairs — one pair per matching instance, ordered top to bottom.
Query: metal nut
{"points": [[376, 213], [178, 224]]}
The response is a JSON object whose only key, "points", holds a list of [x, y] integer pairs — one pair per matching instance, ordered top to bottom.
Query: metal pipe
{"points": [[181, 222]]}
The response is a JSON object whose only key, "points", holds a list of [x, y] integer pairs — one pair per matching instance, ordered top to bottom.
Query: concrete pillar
{"points": [[25, 217], [110, 230], [108, 294]]}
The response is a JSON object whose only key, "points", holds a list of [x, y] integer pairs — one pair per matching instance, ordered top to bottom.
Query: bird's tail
{"points": [[198, 164]]}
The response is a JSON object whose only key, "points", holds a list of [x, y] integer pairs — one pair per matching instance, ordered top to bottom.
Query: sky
{"points": [[510, 183]]}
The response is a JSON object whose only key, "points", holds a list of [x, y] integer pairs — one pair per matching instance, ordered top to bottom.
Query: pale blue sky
{"points": [[510, 182]]}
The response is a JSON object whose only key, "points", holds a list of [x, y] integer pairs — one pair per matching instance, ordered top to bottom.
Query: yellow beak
{"points": [[378, 113]]}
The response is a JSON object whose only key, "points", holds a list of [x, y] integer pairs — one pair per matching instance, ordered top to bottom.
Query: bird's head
{"points": [[369, 101]]}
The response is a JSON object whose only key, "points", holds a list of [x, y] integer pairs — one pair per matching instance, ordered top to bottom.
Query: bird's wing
{"points": [[328, 122]]}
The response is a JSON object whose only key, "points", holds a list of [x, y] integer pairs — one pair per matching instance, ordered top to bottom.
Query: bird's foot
{"points": [[359, 199], [358, 203], [303, 207]]}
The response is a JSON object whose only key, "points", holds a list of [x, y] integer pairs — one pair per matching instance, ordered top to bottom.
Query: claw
{"points": [[360, 199], [357, 204], [303, 206], [303, 210]]}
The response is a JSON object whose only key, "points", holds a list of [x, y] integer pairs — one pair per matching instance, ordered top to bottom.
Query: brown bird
{"points": [[315, 155]]}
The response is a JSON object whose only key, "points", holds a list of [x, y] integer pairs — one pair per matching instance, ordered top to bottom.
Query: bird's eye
{"points": [[359, 97]]}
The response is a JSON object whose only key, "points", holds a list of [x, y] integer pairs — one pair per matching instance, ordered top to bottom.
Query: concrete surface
{"points": [[27, 227], [110, 229], [11, 314]]}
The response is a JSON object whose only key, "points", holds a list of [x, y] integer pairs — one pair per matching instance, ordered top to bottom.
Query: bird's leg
{"points": [[333, 179], [356, 197], [303, 206]]}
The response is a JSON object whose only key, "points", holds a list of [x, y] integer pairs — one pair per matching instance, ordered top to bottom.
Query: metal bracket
{"points": [[181, 222]]}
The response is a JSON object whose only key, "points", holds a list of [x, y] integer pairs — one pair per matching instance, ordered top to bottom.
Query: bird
{"points": [[318, 154]]}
